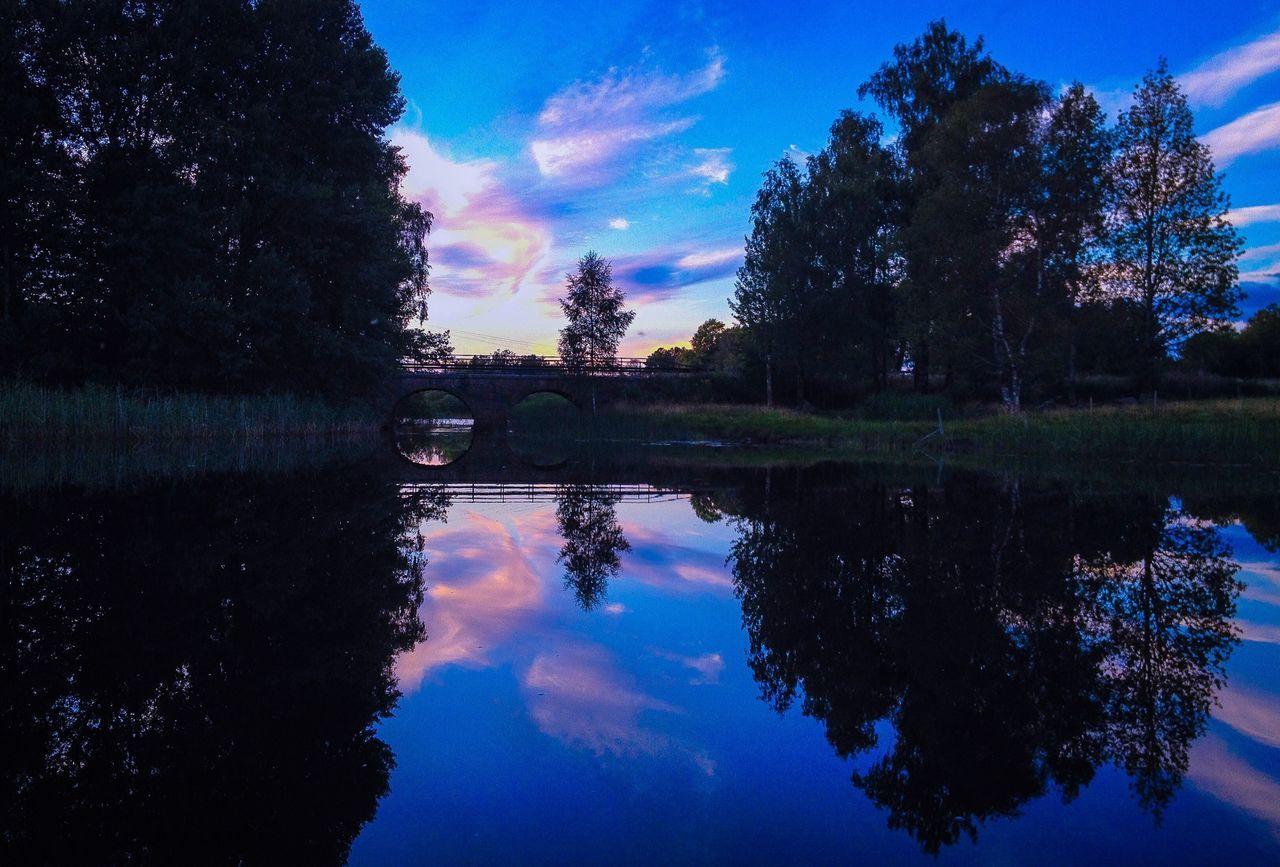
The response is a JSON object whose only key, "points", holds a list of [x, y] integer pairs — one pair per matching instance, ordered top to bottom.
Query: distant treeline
{"points": [[201, 195], [997, 239]]}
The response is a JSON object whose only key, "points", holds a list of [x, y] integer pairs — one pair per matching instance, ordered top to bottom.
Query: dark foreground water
{"points": [[278, 661]]}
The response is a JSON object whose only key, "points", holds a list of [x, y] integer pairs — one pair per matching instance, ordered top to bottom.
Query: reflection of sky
{"points": [[533, 731], [1239, 762]]}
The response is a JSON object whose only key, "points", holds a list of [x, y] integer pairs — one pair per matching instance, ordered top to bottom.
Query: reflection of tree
{"points": [[592, 541], [1010, 634], [199, 668]]}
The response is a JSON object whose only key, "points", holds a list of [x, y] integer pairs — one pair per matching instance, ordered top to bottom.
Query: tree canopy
{"points": [[202, 195]]}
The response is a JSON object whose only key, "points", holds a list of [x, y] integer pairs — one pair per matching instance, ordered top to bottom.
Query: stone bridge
{"points": [[491, 390]]}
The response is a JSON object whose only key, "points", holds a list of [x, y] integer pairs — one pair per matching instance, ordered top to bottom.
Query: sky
{"points": [[535, 132]]}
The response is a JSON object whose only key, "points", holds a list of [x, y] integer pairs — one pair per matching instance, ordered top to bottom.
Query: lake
{"points": [[681, 655]]}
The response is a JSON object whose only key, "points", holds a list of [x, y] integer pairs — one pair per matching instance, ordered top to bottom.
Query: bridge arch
{"points": [[439, 430]]}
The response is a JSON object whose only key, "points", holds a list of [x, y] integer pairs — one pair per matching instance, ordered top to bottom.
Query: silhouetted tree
{"points": [[203, 195], [1173, 252], [597, 320], [593, 539], [982, 620], [197, 671]]}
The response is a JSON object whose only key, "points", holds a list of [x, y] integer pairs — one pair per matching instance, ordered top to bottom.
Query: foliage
{"points": [[202, 196], [1006, 241], [1173, 251], [593, 306], [1252, 351], [1015, 636]]}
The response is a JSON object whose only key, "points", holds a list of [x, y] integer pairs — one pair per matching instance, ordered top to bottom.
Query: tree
{"points": [[919, 89], [1076, 156], [854, 191], [203, 196], [1172, 250], [772, 284], [597, 320], [593, 539]]}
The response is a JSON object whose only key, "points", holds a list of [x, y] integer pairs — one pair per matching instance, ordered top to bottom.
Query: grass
{"points": [[30, 413], [1222, 431]]}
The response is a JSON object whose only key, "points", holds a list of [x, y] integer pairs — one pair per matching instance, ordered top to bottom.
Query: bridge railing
{"points": [[543, 364]]}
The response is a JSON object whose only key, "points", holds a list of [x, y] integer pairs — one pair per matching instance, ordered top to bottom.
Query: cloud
{"points": [[1223, 75], [590, 125], [1259, 130], [711, 166], [1255, 214], [620, 224], [486, 240], [1266, 251], [659, 274], [493, 591], [707, 667], [578, 696], [1254, 715], [1216, 771]]}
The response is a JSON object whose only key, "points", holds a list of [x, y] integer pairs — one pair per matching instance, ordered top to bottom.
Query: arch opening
{"points": [[433, 427], [545, 428]]}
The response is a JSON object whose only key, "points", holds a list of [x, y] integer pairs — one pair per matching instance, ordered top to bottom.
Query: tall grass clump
{"points": [[99, 413], [1218, 431]]}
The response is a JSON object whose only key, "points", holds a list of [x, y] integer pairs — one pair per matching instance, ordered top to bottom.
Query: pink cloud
{"points": [[591, 124], [486, 240], [493, 591], [707, 667], [1252, 714]]}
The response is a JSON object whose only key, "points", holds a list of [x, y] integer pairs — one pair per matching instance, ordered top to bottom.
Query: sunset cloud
{"points": [[1223, 75], [589, 125], [620, 224], [486, 240]]}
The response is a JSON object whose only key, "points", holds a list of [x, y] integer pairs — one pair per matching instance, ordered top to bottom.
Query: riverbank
{"points": [[36, 414], [1210, 432]]}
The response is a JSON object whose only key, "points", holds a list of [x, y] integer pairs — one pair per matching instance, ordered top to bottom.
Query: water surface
{"points": [[712, 660]]}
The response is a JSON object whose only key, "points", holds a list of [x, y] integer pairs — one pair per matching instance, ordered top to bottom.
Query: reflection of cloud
{"points": [[1221, 76], [590, 125], [656, 562], [1262, 582], [493, 589], [707, 666], [578, 696], [1251, 714], [1226, 777]]}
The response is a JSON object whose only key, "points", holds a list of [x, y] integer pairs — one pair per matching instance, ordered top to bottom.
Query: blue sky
{"points": [[538, 131]]}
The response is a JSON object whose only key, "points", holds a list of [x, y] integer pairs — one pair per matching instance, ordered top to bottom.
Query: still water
{"points": [[686, 659]]}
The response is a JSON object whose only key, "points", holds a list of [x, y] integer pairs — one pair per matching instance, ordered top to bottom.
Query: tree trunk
{"points": [[768, 379]]}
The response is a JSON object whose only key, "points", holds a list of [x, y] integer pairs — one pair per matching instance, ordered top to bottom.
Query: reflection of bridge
{"points": [[490, 385], [533, 492]]}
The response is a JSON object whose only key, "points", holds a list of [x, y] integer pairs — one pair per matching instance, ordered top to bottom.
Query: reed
{"points": [[31, 413]]}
